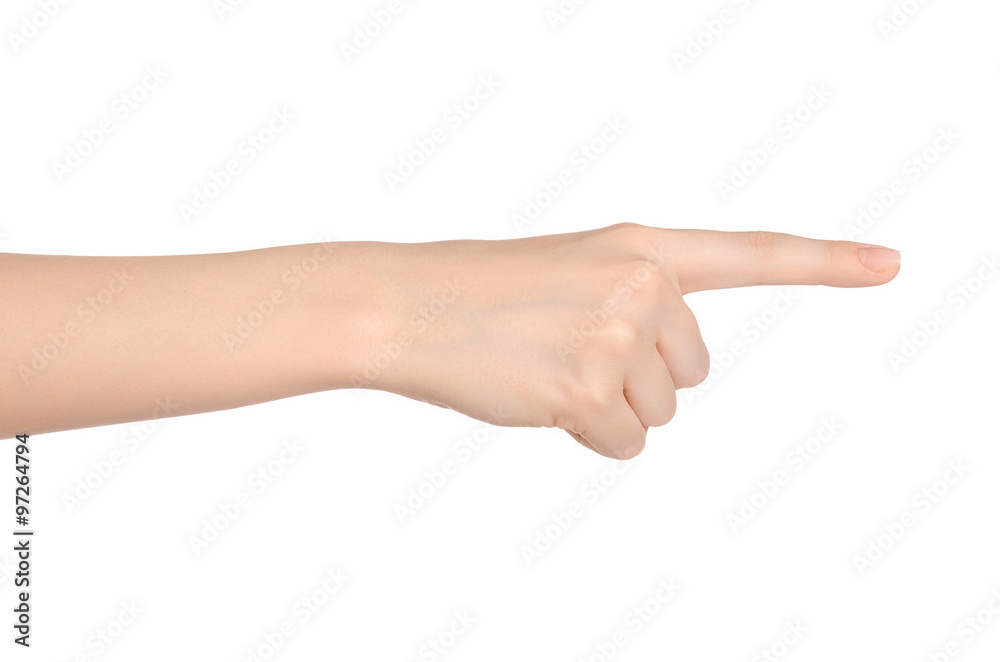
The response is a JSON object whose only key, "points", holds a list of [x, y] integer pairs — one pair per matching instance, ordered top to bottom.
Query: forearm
{"points": [[92, 341]]}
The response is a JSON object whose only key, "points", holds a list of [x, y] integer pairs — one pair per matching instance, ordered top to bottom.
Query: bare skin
{"points": [[587, 332]]}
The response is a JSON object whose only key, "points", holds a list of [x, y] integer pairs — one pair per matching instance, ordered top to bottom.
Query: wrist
{"points": [[357, 306]]}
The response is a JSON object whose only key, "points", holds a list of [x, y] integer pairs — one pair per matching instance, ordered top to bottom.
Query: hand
{"points": [[587, 332]]}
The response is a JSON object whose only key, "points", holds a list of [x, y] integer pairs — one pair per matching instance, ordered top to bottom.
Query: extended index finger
{"points": [[711, 260]]}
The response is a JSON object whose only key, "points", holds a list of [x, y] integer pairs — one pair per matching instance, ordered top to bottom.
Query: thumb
{"points": [[711, 260]]}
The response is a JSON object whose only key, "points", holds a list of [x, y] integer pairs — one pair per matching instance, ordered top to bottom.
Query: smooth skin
{"points": [[587, 331]]}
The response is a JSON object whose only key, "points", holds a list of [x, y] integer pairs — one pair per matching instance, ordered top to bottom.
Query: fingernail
{"points": [[877, 258]]}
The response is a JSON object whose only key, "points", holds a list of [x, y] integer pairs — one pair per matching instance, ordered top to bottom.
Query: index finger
{"points": [[712, 260]]}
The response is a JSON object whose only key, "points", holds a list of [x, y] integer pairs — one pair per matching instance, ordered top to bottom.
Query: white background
{"points": [[664, 517]]}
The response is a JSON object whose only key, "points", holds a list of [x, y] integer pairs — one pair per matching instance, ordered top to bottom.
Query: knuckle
{"points": [[625, 227], [630, 234], [762, 247], [831, 255], [622, 336], [702, 366], [700, 375], [691, 377], [578, 397], [594, 399], [671, 411], [665, 412]]}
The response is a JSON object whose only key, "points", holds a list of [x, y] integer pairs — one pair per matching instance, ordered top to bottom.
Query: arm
{"points": [[587, 331], [98, 340]]}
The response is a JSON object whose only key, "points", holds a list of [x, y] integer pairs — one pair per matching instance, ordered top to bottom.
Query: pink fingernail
{"points": [[877, 258]]}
